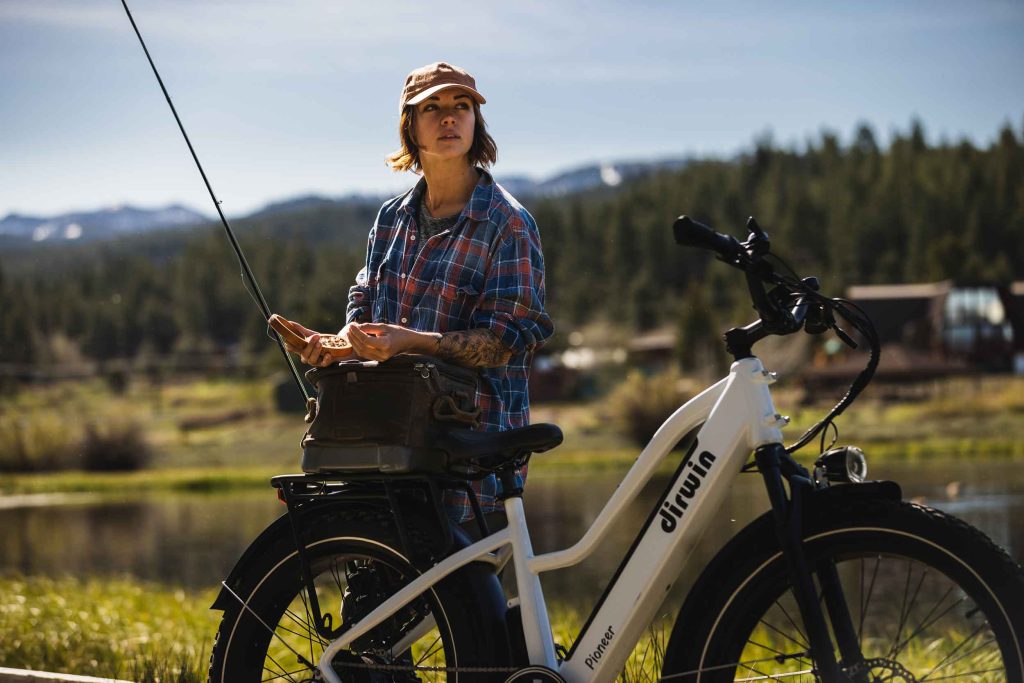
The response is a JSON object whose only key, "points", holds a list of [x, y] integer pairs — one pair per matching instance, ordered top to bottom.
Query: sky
{"points": [[288, 98]]}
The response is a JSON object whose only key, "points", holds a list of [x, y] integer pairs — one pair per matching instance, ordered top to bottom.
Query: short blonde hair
{"points": [[483, 152]]}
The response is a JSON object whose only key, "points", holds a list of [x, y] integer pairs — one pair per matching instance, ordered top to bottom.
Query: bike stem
{"points": [[787, 513]]}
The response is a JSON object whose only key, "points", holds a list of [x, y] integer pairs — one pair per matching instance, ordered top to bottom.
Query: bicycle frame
{"points": [[738, 416]]}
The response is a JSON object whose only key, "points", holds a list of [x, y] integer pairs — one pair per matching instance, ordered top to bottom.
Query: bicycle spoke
{"points": [[865, 599], [903, 606], [905, 615], [309, 620], [263, 623], [794, 624], [925, 624], [307, 628], [298, 634], [785, 635], [431, 649], [953, 651], [787, 655], [961, 657], [719, 667], [284, 672], [969, 673], [287, 674], [762, 676], [775, 677]]}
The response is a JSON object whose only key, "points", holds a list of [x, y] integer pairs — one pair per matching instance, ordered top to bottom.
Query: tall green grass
{"points": [[35, 442], [117, 628], [148, 633]]}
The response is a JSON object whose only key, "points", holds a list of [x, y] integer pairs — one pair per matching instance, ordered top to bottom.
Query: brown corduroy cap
{"points": [[429, 79]]}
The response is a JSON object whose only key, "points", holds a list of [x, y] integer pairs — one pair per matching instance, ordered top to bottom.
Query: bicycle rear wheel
{"points": [[356, 565], [931, 599]]}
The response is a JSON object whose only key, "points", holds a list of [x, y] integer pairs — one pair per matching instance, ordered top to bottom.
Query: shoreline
{"points": [[214, 479]]}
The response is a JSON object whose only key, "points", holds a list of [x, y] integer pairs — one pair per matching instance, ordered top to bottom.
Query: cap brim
{"points": [[444, 86]]}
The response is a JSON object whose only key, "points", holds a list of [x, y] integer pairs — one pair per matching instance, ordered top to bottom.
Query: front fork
{"points": [[775, 464]]}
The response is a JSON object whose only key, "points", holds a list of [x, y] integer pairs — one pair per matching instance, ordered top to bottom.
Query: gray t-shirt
{"points": [[428, 226]]}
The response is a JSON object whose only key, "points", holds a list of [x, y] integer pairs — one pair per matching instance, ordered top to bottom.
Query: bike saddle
{"points": [[499, 447]]}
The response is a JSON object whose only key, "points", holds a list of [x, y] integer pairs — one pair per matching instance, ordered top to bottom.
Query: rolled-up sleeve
{"points": [[360, 295], [512, 301]]}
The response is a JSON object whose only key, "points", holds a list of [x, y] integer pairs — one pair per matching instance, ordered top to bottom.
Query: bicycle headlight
{"points": [[846, 465]]}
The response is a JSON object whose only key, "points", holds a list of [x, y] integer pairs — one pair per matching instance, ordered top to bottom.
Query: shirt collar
{"points": [[477, 208]]}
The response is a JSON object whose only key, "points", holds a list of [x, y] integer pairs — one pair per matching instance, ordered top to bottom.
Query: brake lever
{"points": [[757, 243], [822, 320], [830, 321], [847, 339]]}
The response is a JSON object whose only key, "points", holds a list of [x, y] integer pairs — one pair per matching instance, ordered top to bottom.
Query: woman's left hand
{"points": [[380, 341]]}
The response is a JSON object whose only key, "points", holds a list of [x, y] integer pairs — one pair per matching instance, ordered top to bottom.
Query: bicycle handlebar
{"points": [[690, 233], [748, 257], [791, 305]]}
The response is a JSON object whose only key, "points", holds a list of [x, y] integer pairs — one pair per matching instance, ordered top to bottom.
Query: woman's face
{"points": [[444, 125]]}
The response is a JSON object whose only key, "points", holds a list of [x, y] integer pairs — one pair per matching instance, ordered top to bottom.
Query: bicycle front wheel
{"points": [[929, 599], [269, 633]]}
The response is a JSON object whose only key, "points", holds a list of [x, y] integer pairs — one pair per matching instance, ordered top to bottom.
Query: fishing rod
{"points": [[246, 271]]}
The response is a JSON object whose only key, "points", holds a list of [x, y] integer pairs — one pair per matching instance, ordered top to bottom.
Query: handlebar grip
{"points": [[690, 233]]}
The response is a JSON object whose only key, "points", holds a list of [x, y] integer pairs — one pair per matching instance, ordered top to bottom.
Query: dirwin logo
{"points": [[672, 511]]}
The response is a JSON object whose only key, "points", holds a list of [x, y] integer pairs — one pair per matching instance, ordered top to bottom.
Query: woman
{"points": [[454, 266]]}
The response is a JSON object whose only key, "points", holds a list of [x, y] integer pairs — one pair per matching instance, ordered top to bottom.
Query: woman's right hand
{"points": [[312, 353]]}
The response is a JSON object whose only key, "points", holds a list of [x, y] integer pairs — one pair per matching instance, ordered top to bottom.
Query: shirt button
{"points": [[412, 237], [402, 276], [405, 320]]}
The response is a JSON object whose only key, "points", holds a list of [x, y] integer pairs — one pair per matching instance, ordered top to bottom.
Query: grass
{"points": [[980, 417], [191, 423], [224, 434], [196, 480], [118, 628], [148, 633]]}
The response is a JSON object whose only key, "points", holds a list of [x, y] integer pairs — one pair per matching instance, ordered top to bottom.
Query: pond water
{"points": [[193, 540]]}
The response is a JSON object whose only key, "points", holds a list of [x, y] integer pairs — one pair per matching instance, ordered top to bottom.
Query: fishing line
{"points": [[248, 278]]}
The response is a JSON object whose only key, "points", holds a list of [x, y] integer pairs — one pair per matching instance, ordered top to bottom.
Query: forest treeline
{"points": [[853, 213]]}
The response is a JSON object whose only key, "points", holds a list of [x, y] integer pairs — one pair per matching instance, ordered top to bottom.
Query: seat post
{"points": [[509, 488], [540, 644]]}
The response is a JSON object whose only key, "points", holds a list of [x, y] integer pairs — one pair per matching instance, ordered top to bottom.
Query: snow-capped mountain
{"points": [[587, 178], [113, 222], [93, 225]]}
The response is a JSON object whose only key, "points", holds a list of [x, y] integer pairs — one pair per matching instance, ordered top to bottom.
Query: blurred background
{"points": [[881, 145]]}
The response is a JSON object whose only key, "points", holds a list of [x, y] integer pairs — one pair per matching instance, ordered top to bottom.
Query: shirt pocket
{"points": [[455, 304]]}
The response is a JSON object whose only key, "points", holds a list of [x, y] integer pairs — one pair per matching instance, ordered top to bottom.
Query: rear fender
{"points": [[271, 535], [479, 577]]}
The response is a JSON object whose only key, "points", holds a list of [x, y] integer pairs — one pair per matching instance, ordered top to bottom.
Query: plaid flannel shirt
{"points": [[485, 272]]}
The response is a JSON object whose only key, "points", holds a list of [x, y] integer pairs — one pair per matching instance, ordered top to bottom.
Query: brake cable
{"points": [[862, 324]]}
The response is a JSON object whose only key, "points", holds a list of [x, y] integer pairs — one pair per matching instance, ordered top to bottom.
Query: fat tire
{"points": [[744, 579], [471, 629]]}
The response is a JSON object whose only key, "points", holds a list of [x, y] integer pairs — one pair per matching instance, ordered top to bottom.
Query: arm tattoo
{"points": [[478, 348]]}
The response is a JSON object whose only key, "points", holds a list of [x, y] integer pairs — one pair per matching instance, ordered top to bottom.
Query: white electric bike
{"points": [[840, 580]]}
